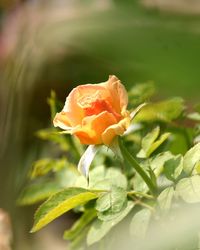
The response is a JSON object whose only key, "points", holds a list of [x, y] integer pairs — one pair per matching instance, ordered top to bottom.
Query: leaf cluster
{"points": [[164, 137]]}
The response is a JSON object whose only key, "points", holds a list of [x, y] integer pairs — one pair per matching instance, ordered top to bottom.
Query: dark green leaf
{"points": [[173, 167], [80, 224]]}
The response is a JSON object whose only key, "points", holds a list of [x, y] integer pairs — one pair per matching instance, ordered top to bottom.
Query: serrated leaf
{"points": [[165, 111], [191, 158], [86, 159], [173, 167], [189, 189], [37, 192], [165, 198], [112, 200], [59, 204], [139, 223], [80, 224], [100, 228]]}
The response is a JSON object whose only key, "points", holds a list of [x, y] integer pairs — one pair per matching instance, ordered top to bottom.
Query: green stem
{"points": [[127, 156], [148, 196]]}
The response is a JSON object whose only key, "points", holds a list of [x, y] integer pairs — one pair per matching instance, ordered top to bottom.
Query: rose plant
{"points": [[133, 161]]}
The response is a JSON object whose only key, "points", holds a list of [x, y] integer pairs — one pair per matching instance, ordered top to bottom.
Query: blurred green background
{"points": [[56, 45]]}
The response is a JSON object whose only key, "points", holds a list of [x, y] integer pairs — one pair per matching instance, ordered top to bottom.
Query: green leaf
{"points": [[141, 93], [52, 103], [165, 111], [194, 116], [51, 134], [149, 143], [191, 158], [86, 159], [158, 161], [44, 166], [173, 167], [114, 174], [102, 178], [189, 189], [37, 192], [165, 198], [112, 200], [59, 204], [139, 223], [80, 224], [100, 228]]}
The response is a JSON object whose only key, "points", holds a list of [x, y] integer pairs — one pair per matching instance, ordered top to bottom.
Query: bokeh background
{"points": [[57, 44]]}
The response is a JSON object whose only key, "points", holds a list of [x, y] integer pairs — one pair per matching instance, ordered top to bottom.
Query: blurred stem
{"points": [[127, 156], [148, 196]]}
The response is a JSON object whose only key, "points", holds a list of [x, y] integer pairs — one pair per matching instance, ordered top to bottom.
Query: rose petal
{"points": [[118, 92], [61, 120], [93, 126], [116, 129]]}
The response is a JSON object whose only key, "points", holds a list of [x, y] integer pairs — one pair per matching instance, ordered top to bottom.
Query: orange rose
{"points": [[95, 113]]}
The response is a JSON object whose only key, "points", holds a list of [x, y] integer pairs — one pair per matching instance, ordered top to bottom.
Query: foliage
{"points": [[154, 168]]}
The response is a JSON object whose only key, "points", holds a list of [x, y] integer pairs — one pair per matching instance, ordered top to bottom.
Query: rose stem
{"points": [[127, 156]]}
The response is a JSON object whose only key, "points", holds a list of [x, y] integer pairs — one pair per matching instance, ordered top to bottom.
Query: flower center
{"points": [[94, 105]]}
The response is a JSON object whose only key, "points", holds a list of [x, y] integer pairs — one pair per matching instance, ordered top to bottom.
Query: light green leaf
{"points": [[166, 111], [194, 116], [51, 134], [147, 141], [157, 143], [150, 144], [191, 158], [86, 159], [45, 165], [173, 167], [114, 174], [102, 178], [139, 185], [189, 189], [37, 192], [165, 198], [112, 200], [59, 204], [139, 223], [80, 224], [100, 228]]}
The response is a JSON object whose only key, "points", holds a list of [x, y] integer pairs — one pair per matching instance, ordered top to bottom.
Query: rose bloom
{"points": [[95, 113]]}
